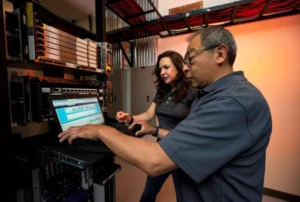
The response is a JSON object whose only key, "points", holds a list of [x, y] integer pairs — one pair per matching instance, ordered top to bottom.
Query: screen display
{"points": [[78, 112]]}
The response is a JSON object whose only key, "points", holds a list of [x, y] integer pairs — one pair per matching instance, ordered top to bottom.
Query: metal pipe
{"points": [[100, 21]]}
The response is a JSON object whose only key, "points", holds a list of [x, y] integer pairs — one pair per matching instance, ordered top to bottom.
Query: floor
{"points": [[270, 199]]}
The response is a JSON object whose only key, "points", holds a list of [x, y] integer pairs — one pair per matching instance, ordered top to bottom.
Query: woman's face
{"points": [[168, 71]]}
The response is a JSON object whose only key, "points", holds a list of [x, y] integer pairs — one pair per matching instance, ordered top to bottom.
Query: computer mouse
{"points": [[136, 127]]}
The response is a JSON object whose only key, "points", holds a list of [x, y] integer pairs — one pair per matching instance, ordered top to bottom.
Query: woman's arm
{"points": [[147, 115]]}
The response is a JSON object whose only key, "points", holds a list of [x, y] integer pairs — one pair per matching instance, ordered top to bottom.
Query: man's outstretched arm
{"points": [[146, 155]]}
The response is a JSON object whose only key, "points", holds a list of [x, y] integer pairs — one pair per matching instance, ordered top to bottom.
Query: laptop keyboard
{"points": [[86, 142], [88, 145]]}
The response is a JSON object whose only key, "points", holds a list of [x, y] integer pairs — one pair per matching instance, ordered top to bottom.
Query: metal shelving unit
{"points": [[229, 14], [12, 172]]}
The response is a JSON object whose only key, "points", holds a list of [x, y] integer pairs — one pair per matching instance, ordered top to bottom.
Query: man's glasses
{"points": [[188, 58]]}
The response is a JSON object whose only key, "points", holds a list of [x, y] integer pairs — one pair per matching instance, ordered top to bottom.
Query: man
{"points": [[220, 147]]}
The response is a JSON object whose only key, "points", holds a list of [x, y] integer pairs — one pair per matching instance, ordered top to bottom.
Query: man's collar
{"points": [[232, 77]]}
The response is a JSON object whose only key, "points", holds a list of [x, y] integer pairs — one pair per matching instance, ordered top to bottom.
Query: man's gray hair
{"points": [[216, 35]]}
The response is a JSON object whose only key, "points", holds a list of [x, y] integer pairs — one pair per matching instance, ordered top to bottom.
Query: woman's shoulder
{"points": [[191, 94]]}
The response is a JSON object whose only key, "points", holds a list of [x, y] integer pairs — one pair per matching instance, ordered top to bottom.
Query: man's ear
{"points": [[221, 54]]}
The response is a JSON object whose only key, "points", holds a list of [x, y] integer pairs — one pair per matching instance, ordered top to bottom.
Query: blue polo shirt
{"points": [[220, 147]]}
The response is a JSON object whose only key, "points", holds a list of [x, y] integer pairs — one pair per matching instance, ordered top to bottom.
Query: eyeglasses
{"points": [[188, 58]]}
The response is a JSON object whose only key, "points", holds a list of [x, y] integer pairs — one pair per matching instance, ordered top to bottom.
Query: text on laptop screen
{"points": [[78, 112]]}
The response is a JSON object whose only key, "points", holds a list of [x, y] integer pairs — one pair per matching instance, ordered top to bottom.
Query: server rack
{"points": [[29, 168]]}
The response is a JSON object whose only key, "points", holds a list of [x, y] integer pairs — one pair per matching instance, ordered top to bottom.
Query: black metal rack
{"points": [[226, 15], [48, 17], [5, 141], [10, 170]]}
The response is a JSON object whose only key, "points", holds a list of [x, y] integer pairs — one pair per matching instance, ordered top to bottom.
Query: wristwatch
{"points": [[155, 134]]}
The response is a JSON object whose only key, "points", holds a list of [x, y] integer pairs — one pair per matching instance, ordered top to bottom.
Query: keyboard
{"points": [[124, 129], [86, 145]]}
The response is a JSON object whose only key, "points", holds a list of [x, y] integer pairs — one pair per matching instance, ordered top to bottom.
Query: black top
{"points": [[169, 113], [220, 147]]}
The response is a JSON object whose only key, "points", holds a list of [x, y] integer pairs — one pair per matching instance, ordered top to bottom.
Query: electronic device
{"points": [[13, 32], [30, 37], [47, 44], [52, 45], [105, 55], [29, 95], [70, 110], [78, 110], [136, 127], [123, 128], [76, 158], [59, 174], [67, 175]]}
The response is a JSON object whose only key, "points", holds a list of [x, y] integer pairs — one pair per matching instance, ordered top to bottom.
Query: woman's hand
{"points": [[123, 117]]}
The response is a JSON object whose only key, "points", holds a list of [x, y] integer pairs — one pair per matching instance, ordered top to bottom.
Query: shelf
{"points": [[229, 14], [43, 15], [51, 19], [50, 67]]}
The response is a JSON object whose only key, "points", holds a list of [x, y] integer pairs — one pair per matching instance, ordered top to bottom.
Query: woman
{"points": [[171, 105]]}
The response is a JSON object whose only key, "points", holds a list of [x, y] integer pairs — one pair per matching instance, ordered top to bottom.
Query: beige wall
{"points": [[84, 23], [268, 53]]}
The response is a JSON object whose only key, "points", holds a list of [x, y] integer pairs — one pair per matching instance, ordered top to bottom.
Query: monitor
{"points": [[76, 110]]}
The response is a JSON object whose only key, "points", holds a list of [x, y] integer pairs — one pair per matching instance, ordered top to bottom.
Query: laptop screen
{"points": [[77, 111]]}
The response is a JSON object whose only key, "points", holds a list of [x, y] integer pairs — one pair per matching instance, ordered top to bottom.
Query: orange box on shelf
{"points": [[186, 8]]}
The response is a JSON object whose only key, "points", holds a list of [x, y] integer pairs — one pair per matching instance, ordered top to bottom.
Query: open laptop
{"points": [[78, 110]]}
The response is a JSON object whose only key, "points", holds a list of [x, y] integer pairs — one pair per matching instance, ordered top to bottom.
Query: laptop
{"points": [[78, 110]]}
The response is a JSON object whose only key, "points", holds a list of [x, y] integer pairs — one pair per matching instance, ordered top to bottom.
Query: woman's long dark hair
{"points": [[181, 84]]}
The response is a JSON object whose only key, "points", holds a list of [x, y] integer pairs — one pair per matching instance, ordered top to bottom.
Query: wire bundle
{"points": [[128, 8], [180, 23]]}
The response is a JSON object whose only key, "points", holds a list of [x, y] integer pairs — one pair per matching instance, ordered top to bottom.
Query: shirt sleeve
{"points": [[155, 98], [214, 132]]}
